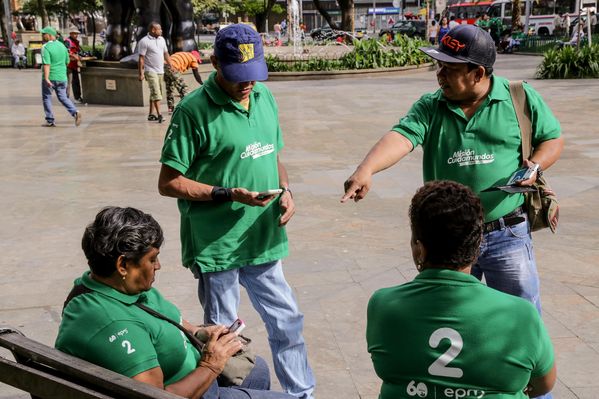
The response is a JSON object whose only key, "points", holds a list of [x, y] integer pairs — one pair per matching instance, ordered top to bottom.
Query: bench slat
{"points": [[73, 368], [42, 384]]}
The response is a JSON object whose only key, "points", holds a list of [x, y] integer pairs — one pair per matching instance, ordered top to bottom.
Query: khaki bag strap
{"points": [[523, 115]]}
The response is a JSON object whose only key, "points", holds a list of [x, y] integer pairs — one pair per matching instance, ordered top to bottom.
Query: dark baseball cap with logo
{"points": [[464, 44], [240, 55]]}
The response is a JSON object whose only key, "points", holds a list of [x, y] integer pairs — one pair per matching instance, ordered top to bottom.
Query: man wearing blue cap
{"points": [[55, 58], [470, 134], [220, 159]]}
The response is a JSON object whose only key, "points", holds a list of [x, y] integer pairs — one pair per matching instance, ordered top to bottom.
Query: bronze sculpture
{"points": [[175, 16]]}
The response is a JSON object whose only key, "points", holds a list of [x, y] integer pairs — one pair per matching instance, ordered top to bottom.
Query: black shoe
{"points": [[152, 117], [160, 118], [49, 124]]}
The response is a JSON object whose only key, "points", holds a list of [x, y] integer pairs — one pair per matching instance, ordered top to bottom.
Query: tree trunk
{"points": [[43, 13], [325, 14], [347, 15], [516, 15], [93, 18], [261, 22], [3, 27]]}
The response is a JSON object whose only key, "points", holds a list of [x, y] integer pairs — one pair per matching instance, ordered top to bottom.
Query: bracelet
{"points": [[288, 190], [221, 194]]}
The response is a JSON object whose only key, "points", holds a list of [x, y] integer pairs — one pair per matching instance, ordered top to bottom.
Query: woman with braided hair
{"points": [[432, 337]]}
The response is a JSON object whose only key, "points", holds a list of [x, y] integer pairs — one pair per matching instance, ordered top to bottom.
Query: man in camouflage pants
{"points": [[181, 62]]}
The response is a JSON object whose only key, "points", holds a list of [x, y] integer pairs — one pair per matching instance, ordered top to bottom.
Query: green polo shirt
{"points": [[55, 54], [214, 140], [479, 152], [104, 327], [446, 335]]}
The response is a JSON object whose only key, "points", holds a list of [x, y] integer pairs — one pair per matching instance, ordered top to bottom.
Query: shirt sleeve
{"points": [[142, 47], [46, 59], [416, 123], [545, 125], [182, 142], [124, 347], [545, 355]]}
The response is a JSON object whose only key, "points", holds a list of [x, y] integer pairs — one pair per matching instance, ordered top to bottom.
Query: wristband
{"points": [[288, 190], [221, 194]]}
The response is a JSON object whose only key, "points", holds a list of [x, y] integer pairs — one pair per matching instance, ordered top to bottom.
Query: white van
{"points": [[542, 19]]}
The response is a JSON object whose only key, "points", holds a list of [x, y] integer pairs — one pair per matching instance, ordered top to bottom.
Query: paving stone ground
{"points": [[54, 180]]}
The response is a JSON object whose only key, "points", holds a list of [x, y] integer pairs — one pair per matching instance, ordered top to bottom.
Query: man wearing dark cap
{"points": [[469, 133], [220, 158]]}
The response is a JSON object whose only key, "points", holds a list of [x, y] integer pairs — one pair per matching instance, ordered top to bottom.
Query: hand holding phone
{"points": [[268, 193], [237, 326]]}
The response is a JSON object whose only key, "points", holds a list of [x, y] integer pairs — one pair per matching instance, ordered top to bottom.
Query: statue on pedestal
{"points": [[175, 17]]}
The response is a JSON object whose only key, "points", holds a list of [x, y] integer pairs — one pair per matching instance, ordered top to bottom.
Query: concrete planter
{"points": [[350, 73]]}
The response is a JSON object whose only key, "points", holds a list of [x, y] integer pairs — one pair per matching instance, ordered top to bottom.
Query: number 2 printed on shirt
{"points": [[127, 344], [439, 366]]}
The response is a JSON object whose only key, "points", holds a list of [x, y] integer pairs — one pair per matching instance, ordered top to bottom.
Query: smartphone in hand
{"points": [[268, 193], [237, 326]]}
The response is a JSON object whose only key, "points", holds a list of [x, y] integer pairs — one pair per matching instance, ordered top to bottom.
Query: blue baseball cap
{"points": [[240, 54]]}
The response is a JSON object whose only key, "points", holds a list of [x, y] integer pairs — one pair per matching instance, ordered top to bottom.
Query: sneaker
{"points": [[79, 101], [152, 117], [77, 118], [160, 118], [49, 124]]}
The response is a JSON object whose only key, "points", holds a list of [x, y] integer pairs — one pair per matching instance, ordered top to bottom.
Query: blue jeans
{"points": [[61, 92], [508, 263], [273, 299], [255, 386]]}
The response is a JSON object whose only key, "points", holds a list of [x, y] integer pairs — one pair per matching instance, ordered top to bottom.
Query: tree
{"points": [[90, 8], [43, 9], [258, 9], [347, 14], [516, 23]]}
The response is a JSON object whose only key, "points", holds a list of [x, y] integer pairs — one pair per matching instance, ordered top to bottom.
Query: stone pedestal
{"points": [[113, 83]]}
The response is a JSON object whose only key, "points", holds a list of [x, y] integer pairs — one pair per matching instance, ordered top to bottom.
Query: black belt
{"points": [[511, 219]]}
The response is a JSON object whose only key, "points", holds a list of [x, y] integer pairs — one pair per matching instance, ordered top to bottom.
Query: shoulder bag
{"points": [[541, 205], [237, 367]]}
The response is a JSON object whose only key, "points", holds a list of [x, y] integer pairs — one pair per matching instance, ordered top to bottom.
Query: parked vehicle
{"points": [[467, 12], [542, 15], [410, 28], [326, 33]]}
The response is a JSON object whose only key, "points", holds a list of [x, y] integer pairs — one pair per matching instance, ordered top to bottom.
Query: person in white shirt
{"points": [[18, 53], [152, 55]]}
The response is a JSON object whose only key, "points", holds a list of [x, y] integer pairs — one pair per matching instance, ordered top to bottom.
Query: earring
{"points": [[419, 266], [124, 277]]}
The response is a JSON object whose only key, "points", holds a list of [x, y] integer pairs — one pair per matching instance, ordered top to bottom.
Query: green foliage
{"points": [[202, 6], [53, 7], [95, 52], [366, 54], [570, 63]]}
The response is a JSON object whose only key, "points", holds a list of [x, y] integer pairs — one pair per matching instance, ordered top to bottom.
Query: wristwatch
{"points": [[288, 190]]}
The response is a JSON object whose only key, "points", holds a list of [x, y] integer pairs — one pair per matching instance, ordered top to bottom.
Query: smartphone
{"points": [[523, 174], [268, 193], [237, 326]]}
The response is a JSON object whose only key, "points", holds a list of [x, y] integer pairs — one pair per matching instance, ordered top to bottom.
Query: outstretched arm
{"points": [[387, 152]]}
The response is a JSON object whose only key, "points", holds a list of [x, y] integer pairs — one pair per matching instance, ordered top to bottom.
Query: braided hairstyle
{"points": [[447, 218]]}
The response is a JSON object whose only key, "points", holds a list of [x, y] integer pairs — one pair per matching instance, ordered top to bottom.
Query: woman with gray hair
{"points": [[104, 323]]}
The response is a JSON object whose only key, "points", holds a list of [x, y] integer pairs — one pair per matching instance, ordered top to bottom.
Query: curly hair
{"points": [[447, 218], [119, 231]]}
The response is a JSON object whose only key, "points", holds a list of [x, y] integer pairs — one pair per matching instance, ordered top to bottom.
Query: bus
{"points": [[467, 13], [542, 16]]}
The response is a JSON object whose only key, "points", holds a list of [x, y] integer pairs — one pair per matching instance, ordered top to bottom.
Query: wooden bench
{"points": [[48, 373]]}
